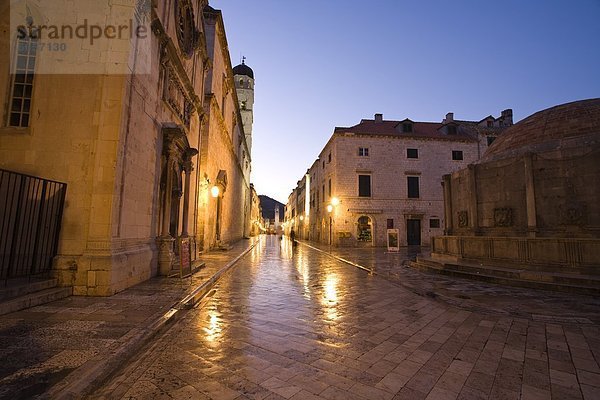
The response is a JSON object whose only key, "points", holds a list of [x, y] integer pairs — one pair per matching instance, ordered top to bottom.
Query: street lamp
{"points": [[214, 191], [335, 201], [329, 210]]}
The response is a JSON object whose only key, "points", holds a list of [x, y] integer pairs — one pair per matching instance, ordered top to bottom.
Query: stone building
{"points": [[133, 146], [385, 174], [225, 195], [530, 205], [272, 214], [256, 220]]}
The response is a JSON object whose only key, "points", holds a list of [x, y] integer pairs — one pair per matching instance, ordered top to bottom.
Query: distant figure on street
{"points": [[293, 236]]}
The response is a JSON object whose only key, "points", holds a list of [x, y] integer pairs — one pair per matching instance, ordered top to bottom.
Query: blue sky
{"points": [[321, 64]]}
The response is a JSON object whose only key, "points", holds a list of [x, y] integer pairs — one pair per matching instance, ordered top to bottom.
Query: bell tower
{"points": [[244, 86]]}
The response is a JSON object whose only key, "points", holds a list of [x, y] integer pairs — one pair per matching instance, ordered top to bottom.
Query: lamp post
{"points": [[335, 201]]}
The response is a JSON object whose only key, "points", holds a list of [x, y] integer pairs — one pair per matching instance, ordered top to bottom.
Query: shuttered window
{"points": [[364, 185], [413, 187]]}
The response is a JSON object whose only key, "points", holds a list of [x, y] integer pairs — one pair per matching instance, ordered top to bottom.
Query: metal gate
{"points": [[30, 215]]}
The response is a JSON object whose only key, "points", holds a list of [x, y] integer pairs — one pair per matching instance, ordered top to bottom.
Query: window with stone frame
{"points": [[21, 90], [407, 127], [363, 152], [412, 153], [457, 155], [364, 185], [413, 187], [318, 200], [434, 223]]}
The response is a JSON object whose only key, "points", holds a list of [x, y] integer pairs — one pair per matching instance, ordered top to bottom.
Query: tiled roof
{"points": [[420, 130]]}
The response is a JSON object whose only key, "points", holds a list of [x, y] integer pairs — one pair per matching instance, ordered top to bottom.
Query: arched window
{"points": [[364, 231]]}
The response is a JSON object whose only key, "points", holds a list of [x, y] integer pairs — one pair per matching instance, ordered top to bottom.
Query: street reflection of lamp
{"points": [[214, 191], [329, 208], [330, 296], [213, 329]]}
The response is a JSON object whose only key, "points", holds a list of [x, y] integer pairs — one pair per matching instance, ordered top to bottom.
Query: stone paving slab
{"points": [[538, 305], [299, 324], [63, 347]]}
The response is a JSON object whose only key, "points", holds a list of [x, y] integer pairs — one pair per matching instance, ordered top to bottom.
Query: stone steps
{"points": [[196, 266], [575, 283], [21, 287], [20, 296]]}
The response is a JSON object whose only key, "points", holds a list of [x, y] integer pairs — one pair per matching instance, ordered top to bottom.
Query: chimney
{"points": [[378, 117], [449, 117], [507, 117]]}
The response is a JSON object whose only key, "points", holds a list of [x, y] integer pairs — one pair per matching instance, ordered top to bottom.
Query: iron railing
{"points": [[30, 216]]}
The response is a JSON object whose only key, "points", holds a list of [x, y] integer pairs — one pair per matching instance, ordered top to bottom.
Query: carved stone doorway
{"points": [[174, 194]]}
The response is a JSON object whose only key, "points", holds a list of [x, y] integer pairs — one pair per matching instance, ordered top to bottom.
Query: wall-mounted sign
{"points": [[393, 242]]}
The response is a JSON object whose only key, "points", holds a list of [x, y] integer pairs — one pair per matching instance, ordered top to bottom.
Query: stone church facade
{"points": [[139, 151], [385, 174], [223, 213]]}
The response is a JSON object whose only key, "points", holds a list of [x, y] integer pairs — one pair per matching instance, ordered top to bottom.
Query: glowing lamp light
{"points": [[214, 191], [335, 201], [329, 208], [302, 218]]}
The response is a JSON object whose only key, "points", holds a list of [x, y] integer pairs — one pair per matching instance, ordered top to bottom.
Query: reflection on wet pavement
{"points": [[295, 323]]}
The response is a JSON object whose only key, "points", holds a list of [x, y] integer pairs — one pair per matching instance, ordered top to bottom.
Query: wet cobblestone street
{"points": [[295, 323]]}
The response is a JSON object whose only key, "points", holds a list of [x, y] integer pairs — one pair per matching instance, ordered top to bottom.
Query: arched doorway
{"points": [[364, 230]]}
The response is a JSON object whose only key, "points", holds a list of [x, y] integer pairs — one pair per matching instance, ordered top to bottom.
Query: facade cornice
{"points": [[390, 136]]}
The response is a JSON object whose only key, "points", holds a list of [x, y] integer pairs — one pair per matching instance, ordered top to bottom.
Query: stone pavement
{"points": [[467, 294], [295, 323], [63, 347]]}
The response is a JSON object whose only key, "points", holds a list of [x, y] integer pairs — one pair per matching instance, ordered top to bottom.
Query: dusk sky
{"points": [[321, 64]]}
